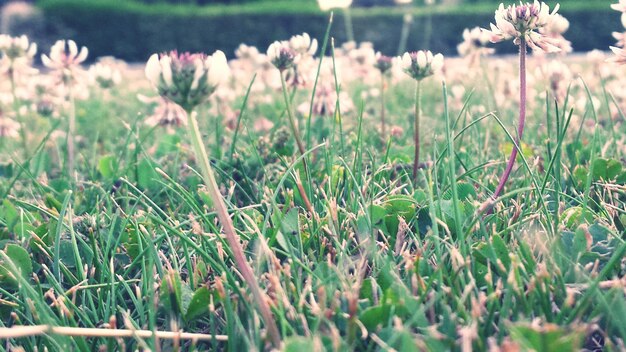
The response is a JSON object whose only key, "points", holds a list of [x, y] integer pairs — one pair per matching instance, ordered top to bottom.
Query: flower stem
{"points": [[348, 22], [404, 34], [382, 107], [16, 110], [522, 119], [292, 122], [416, 129], [70, 133], [296, 134], [229, 230]]}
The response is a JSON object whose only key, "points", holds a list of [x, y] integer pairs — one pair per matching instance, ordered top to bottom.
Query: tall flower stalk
{"points": [[326, 5], [522, 23], [17, 56], [283, 56], [64, 61], [383, 64], [419, 65], [188, 80]]}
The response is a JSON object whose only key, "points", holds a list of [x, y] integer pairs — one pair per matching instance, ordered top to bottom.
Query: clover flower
{"points": [[326, 5], [621, 6], [523, 22], [554, 29], [621, 37], [474, 44], [303, 45], [17, 47], [17, 55], [282, 55], [620, 56], [65, 57], [383, 63], [421, 64], [106, 76], [187, 79], [325, 102], [166, 113], [8, 127]]}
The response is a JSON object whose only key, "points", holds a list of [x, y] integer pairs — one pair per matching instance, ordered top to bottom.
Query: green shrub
{"points": [[133, 31]]}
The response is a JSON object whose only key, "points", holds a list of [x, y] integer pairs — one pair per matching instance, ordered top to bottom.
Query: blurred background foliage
{"points": [[134, 29]]}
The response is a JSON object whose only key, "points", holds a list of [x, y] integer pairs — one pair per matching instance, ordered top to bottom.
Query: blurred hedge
{"points": [[132, 31]]}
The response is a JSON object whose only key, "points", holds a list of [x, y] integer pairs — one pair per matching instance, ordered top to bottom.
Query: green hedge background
{"points": [[132, 31]]}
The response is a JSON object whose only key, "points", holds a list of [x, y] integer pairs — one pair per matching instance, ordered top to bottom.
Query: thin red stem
{"points": [[522, 118]]}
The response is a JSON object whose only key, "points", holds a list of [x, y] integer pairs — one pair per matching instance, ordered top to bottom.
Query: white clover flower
{"points": [[326, 5], [621, 6], [523, 22], [554, 29], [621, 39], [475, 43], [303, 45], [17, 47], [17, 55], [282, 55], [363, 55], [62, 57], [619, 57], [421, 64], [106, 76], [187, 79], [166, 113], [8, 127]]}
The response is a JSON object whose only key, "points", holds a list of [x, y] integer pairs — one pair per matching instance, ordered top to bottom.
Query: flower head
{"points": [[326, 5], [621, 6], [523, 22], [554, 29], [474, 44], [303, 45], [14, 48], [17, 54], [282, 55], [620, 56], [63, 57], [383, 63], [421, 64], [104, 75], [187, 79], [166, 113], [8, 127]]}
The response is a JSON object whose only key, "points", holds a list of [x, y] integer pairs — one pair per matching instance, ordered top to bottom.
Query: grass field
{"points": [[119, 245]]}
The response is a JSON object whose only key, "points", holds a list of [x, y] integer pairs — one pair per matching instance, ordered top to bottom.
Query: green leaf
{"points": [[107, 166], [599, 169], [613, 169], [580, 175], [146, 176], [465, 191], [9, 213], [289, 229], [582, 240], [502, 252], [19, 260], [368, 289], [171, 293], [199, 304], [374, 316], [549, 337], [301, 344]]}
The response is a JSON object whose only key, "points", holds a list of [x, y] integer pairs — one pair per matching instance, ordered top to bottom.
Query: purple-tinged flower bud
{"points": [[281, 55], [421, 64], [187, 79]]}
